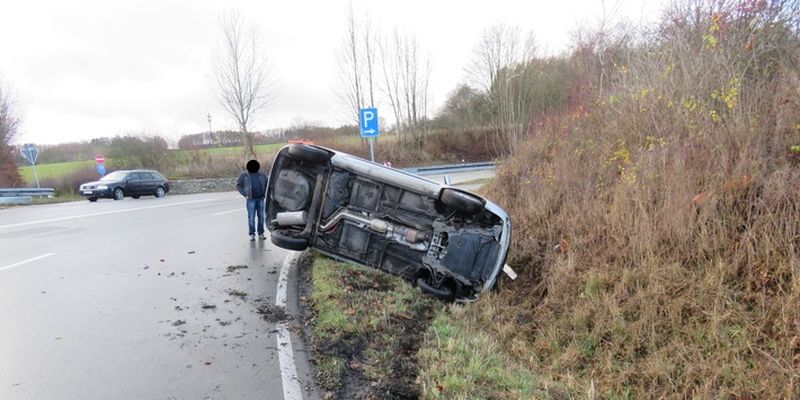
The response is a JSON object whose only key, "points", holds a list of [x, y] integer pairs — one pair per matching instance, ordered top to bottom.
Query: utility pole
{"points": [[210, 132]]}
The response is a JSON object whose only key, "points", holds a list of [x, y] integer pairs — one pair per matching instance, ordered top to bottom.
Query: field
{"points": [[54, 171]]}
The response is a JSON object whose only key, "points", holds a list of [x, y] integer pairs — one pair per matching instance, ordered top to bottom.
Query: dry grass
{"points": [[657, 231]]}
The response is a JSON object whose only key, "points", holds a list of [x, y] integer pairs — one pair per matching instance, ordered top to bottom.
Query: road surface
{"points": [[139, 299], [145, 299]]}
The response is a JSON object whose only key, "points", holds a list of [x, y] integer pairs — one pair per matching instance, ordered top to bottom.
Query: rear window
{"points": [[158, 176]]}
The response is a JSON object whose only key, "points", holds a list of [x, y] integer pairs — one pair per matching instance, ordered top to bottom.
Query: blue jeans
{"points": [[255, 207]]}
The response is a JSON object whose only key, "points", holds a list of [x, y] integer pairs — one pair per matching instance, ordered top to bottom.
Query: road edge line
{"points": [[289, 379]]}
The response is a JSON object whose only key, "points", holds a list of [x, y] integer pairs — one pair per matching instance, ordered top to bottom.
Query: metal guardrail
{"points": [[452, 168], [27, 192], [23, 196]]}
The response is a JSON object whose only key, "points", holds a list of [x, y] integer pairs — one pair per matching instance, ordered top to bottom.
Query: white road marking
{"points": [[228, 212], [44, 221], [26, 261], [291, 383]]}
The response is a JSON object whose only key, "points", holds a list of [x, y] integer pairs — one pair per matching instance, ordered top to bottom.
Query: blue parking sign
{"points": [[368, 121], [101, 169]]}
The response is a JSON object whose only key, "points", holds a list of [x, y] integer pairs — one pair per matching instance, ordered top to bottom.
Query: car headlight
{"points": [[102, 187]]}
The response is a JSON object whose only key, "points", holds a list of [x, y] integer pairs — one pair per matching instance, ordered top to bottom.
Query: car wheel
{"points": [[308, 154], [160, 192], [118, 194], [135, 197], [92, 199], [460, 201], [288, 242], [442, 293]]}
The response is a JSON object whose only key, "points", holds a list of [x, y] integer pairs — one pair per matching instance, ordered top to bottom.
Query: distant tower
{"points": [[210, 132]]}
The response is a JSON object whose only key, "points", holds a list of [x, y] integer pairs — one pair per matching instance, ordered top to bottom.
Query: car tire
{"points": [[308, 154], [160, 192], [118, 194], [92, 199], [461, 201], [288, 242], [442, 293]]}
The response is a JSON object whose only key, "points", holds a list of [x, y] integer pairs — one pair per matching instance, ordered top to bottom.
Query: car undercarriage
{"points": [[450, 243]]}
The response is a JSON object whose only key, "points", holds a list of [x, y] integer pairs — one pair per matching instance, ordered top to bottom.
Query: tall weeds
{"points": [[657, 227]]}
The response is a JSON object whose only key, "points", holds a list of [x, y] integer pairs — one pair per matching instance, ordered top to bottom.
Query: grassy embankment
{"points": [[657, 230]]}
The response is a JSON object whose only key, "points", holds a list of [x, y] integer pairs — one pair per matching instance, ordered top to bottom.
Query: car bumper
{"points": [[96, 193]]}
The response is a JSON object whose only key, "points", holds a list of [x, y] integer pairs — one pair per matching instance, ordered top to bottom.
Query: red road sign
{"points": [[99, 159]]}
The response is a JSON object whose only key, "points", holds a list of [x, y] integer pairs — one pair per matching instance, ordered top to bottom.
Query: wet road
{"points": [[138, 299]]}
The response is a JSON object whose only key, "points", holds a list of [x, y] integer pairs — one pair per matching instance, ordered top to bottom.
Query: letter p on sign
{"points": [[368, 118]]}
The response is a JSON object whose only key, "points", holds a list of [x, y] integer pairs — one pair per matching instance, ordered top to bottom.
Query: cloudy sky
{"points": [[91, 68]]}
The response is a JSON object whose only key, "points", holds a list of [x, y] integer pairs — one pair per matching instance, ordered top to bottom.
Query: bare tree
{"points": [[498, 48], [369, 58], [357, 66], [502, 68], [406, 73], [243, 78], [9, 123]]}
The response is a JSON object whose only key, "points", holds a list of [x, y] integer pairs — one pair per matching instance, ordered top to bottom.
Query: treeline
{"points": [[148, 148]]}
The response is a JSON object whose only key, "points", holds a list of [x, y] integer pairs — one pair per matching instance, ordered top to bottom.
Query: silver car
{"points": [[451, 243]]}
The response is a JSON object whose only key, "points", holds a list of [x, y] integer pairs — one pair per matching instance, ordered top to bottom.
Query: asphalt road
{"points": [[462, 179], [134, 299], [144, 299]]}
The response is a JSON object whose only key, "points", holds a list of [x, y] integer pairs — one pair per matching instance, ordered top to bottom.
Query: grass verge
{"points": [[365, 331], [459, 360]]}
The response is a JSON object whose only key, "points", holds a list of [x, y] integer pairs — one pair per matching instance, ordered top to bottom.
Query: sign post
{"points": [[368, 122], [31, 153], [101, 166]]}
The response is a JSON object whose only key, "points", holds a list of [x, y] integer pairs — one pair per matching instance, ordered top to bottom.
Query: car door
{"points": [[149, 183], [135, 184]]}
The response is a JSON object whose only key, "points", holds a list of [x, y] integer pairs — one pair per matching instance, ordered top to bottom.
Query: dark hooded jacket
{"points": [[244, 183]]}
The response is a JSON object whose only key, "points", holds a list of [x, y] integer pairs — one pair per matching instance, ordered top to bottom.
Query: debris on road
{"points": [[232, 268], [237, 293], [272, 312], [178, 322]]}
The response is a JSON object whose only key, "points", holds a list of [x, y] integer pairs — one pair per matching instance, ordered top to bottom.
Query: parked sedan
{"points": [[119, 184], [449, 242]]}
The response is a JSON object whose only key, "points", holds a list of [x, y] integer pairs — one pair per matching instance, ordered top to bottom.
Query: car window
{"points": [[149, 175], [114, 176], [136, 176]]}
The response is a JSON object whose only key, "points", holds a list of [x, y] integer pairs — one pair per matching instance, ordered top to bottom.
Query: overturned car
{"points": [[451, 243]]}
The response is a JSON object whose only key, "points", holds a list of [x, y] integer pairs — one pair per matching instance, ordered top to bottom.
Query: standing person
{"points": [[252, 184]]}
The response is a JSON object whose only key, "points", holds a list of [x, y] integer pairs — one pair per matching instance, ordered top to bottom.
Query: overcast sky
{"points": [[86, 69]]}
